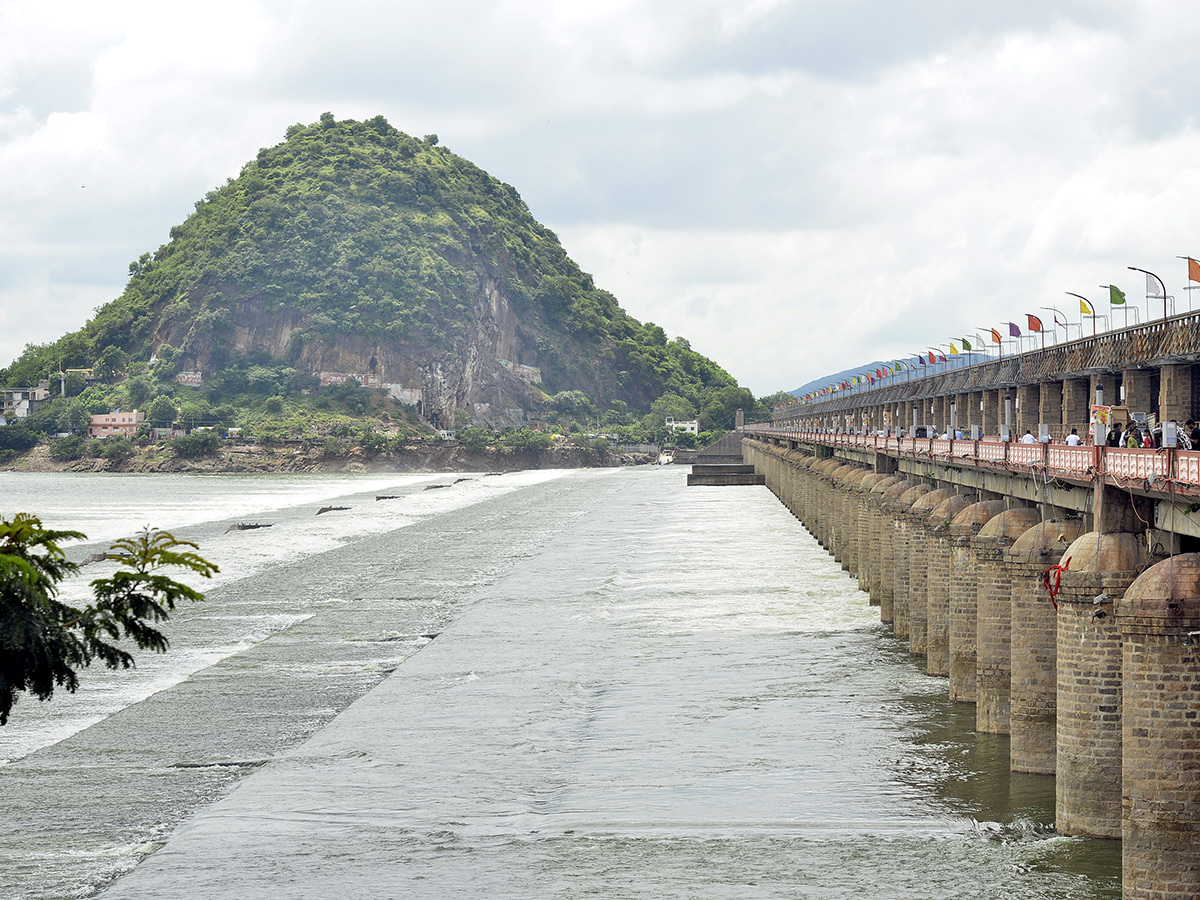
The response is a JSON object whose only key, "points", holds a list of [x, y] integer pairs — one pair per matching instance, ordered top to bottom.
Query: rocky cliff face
{"points": [[487, 369]]}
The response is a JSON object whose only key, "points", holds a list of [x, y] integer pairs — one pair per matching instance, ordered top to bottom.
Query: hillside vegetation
{"points": [[352, 247]]}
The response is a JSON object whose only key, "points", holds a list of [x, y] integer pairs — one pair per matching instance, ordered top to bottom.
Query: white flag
{"points": [[1152, 287]]}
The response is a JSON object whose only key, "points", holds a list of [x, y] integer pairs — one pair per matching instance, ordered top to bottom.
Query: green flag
{"points": [[1115, 295], [966, 344]]}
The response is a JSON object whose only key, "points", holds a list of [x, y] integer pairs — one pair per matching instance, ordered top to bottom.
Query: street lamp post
{"points": [[1090, 306], [1065, 323]]}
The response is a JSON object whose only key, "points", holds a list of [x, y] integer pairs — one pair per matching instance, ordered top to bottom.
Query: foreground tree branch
{"points": [[43, 641]]}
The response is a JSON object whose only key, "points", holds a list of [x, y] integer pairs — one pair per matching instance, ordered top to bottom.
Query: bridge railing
{"points": [[1077, 462]]}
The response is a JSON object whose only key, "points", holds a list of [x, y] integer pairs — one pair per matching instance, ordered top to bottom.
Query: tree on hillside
{"points": [[111, 362], [73, 384], [139, 391], [573, 404], [767, 404], [672, 406], [721, 406], [162, 412], [475, 440], [43, 641]]}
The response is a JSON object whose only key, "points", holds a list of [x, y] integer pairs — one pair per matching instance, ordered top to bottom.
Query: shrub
{"points": [[17, 438], [475, 440], [526, 440], [196, 444], [334, 447], [67, 448], [117, 448]]}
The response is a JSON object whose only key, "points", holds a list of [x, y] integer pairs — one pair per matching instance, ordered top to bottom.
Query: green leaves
{"points": [[43, 641]]}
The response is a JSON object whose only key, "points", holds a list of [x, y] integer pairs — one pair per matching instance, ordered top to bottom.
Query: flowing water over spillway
{"points": [[545, 684]]}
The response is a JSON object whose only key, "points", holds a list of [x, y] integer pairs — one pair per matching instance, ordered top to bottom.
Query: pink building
{"points": [[116, 423]]}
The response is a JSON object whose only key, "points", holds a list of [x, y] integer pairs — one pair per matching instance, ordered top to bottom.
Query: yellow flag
{"points": [[1086, 308], [953, 349]]}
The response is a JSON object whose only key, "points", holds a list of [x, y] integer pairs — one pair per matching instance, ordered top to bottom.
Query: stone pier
{"points": [[1159, 619], [993, 626], [1033, 657], [1088, 746]]}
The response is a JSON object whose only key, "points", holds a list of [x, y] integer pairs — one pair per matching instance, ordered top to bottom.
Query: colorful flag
{"points": [[1193, 270], [1115, 295], [1085, 307], [1063, 323], [1035, 324], [1013, 330], [996, 337], [966, 345], [953, 349], [941, 357], [932, 358], [921, 359]]}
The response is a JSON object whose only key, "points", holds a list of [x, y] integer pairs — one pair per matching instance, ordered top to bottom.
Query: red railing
{"points": [[991, 451], [1072, 459], [1078, 462], [1130, 463]]}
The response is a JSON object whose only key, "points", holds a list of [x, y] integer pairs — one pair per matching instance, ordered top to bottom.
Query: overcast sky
{"points": [[795, 187]]}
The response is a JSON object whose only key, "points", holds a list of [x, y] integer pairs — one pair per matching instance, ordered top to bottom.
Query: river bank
{"points": [[250, 459]]}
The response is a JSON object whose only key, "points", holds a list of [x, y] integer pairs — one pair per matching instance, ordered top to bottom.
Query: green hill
{"points": [[352, 249]]}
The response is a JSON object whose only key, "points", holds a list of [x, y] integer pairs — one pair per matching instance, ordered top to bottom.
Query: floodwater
{"points": [[534, 685]]}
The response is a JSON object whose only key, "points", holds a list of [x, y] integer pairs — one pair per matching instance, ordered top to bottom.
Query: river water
{"points": [[533, 685]]}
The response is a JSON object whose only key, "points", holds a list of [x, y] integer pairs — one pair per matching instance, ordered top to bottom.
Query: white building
{"points": [[24, 401], [674, 425]]}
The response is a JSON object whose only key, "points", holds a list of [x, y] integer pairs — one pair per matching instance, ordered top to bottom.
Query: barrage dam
{"points": [[1055, 586]]}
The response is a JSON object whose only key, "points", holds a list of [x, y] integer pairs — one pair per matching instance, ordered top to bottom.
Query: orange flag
{"points": [[1193, 270]]}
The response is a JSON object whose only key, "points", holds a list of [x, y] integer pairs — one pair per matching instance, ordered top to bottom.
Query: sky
{"points": [[794, 187]]}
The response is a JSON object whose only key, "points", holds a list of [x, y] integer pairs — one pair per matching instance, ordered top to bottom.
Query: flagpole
{"points": [[1160, 282], [1189, 287], [1124, 306], [1092, 308], [1054, 309]]}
